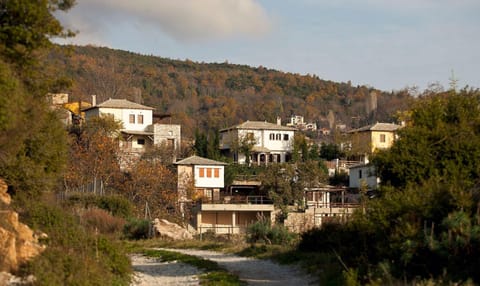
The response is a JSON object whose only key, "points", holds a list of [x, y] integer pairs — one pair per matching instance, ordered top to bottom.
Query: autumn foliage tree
{"points": [[94, 157], [151, 186]]}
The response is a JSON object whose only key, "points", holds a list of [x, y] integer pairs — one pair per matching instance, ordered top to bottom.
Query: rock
{"points": [[4, 196], [164, 228], [18, 243], [7, 279]]}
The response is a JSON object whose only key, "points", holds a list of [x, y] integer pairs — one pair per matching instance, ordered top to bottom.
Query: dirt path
{"points": [[253, 271], [151, 272]]}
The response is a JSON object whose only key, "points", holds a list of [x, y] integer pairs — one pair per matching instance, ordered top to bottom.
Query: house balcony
{"points": [[237, 203], [327, 208]]}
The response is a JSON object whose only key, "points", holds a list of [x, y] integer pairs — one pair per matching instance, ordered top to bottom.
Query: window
{"points": [[131, 118], [140, 119], [250, 136], [272, 136], [278, 136], [285, 137], [382, 138], [141, 141], [201, 172], [209, 172], [216, 173], [360, 173]]}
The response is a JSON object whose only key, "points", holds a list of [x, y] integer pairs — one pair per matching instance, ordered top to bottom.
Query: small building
{"points": [[136, 120], [297, 121], [138, 131], [369, 138], [269, 142], [363, 176], [201, 177], [216, 209]]}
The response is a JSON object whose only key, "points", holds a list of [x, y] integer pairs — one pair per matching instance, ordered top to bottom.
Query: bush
{"points": [[115, 204], [102, 221], [137, 229], [262, 231], [258, 232], [279, 234], [74, 255]]}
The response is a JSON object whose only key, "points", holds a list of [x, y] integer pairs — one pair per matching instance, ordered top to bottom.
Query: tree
{"points": [[27, 26], [442, 140], [33, 142], [201, 144], [245, 145], [300, 148], [330, 151], [94, 155], [280, 181], [151, 184], [424, 223]]}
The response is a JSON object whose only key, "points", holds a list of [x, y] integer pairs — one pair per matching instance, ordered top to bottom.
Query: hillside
{"points": [[215, 95]]}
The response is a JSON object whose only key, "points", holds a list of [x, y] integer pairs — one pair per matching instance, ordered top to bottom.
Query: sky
{"points": [[386, 44]]}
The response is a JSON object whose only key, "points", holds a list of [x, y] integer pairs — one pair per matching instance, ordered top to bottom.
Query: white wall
{"points": [[123, 116], [368, 176], [209, 182]]}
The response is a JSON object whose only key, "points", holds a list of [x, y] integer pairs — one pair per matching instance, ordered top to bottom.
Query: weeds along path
{"points": [[253, 271], [152, 272]]}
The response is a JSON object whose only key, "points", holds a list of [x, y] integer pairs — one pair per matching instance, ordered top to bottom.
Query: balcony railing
{"points": [[235, 199], [332, 205]]}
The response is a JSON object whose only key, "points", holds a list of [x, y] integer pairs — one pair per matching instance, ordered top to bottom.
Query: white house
{"points": [[136, 120], [298, 122], [138, 131], [271, 142], [201, 176], [363, 176], [216, 210]]}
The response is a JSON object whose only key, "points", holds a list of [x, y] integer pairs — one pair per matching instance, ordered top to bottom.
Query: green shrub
{"points": [[116, 205], [136, 229], [262, 231], [258, 232], [279, 234], [74, 254]]}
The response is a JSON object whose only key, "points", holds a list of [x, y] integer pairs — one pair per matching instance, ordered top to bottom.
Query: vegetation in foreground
{"points": [[424, 225]]}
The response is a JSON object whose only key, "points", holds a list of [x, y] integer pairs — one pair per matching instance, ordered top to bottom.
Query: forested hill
{"points": [[209, 96]]}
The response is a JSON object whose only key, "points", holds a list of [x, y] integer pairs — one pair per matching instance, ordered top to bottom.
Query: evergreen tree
{"points": [[32, 140]]}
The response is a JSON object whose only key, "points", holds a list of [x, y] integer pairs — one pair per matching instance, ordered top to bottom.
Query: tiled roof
{"points": [[120, 103], [259, 125], [377, 127], [197, 160]]}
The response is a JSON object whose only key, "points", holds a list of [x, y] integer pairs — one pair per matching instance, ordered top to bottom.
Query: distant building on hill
{"points": [[297, 121]]}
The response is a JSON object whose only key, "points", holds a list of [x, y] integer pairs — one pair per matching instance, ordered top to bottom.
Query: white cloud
{"points": [[182, 20]]}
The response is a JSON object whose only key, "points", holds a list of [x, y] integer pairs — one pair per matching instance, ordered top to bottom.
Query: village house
{"points": [[297, 121], [138, 131], [373, 137], [364, 141], [269, 142], [363, 176], [323, 204], [215, 209]]}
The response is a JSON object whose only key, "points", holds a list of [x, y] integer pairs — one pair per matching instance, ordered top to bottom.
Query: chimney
{"points": [[94, 100], [279, 120]]}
